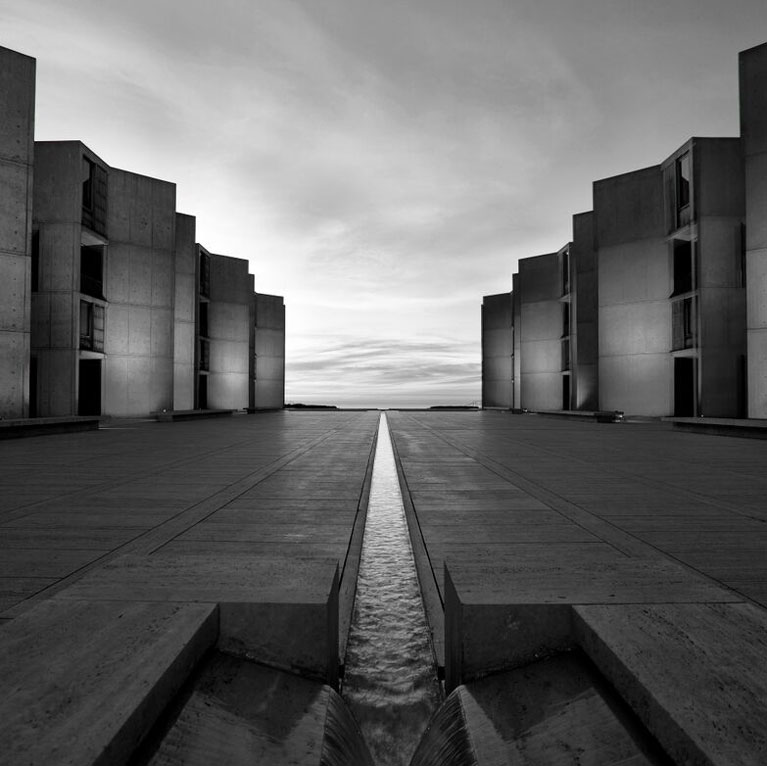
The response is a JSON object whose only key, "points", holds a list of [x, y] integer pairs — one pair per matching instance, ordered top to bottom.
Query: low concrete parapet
{"points": [[170, 416], [745, 428], [14, 429], [659, 634], [88, 672]]}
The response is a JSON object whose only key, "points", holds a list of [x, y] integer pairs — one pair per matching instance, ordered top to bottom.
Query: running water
{"points": [[390, 681]]}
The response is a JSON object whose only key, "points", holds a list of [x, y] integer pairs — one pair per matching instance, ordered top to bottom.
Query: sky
{"points": [[383, 165]]}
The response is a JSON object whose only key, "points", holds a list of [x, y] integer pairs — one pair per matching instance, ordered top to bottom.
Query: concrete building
{"points": [[17, 107], [753, 133], [704, 209], [69, 292], [543, 293], [103, 310], [634, 315], [584, 329], [227, 332], [498, 351], [269, 359]]}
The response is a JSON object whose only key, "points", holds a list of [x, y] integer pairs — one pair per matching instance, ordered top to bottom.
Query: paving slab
{"points": [[279, 611], [82, 680]]}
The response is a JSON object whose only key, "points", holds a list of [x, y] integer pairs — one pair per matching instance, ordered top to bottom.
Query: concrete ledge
{"points": [[173, 415], [601, 416], [745, 428], [14, 429], [279, 611], [499, 617], [682, 653], [693, 673], [83, 682]]}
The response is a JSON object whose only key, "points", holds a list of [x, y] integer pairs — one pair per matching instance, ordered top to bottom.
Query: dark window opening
{"points": [[88, 182], [683, 190], [94, 197], [35, 253], [683, 267], [92, 271], [565, 272], [204, 275], [203, 319], [565, 319], [683, 319], [91, 327], [566, 354], [204, 355], [684, 387], [89, 391], [202, 392], [565, 392]]}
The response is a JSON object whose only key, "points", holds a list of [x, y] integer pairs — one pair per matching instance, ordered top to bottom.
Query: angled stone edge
{"points": [[277, 610], [501, 616], [693, 673], [83, 682]]}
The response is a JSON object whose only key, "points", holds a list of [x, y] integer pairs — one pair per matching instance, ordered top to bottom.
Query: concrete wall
{"points": [[17, 114], [753, 130], [634, 284], [139, 285], [540, 290], [56, 303], [185, 313], [229, 331], [584, 343], [497, 350], [269, 383]]}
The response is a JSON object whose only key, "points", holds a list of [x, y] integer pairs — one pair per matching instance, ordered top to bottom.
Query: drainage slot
{"points": [[390, 681]]}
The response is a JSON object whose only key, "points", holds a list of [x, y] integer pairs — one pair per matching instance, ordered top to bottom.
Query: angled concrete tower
{"points": [[17, 114]]}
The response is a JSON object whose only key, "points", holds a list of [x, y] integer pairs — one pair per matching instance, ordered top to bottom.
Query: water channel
{"points": [[390, 681]]}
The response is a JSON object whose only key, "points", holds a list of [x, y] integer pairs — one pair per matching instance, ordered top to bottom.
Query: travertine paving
{"points": [[490, 481], [278, 483]]}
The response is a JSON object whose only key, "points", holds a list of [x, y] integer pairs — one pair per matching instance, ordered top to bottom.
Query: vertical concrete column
{"points": [[17, 107], [753, 131], [184, 312], [497, 350], [269, 352]]}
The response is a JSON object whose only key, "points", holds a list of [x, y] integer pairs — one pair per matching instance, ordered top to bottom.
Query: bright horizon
{"points": [[384, 165]]}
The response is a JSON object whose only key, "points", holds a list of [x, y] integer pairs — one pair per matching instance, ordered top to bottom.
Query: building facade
{"points": [[668, 284], [108, 306]]}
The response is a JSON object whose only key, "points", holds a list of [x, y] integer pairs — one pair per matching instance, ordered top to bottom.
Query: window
{"points": [[88, 182], [683, 189], [94, 197], [683, 266], [92, 271], [565, 272], [204, 274], [203, 319], [565, 319], [683, 319], [91, 327], [566, 354]]}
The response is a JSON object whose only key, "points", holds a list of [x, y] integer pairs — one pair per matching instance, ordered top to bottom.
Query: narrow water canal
{"points": [[390, 682]]}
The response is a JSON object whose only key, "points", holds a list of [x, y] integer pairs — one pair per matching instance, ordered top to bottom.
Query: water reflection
{"points": [[390, 682]]}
